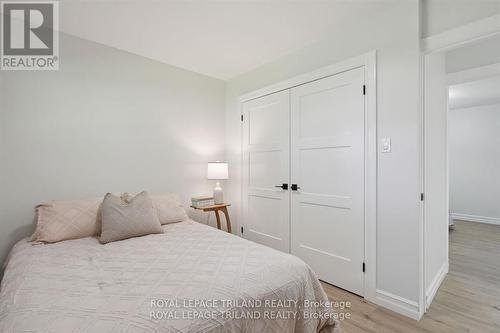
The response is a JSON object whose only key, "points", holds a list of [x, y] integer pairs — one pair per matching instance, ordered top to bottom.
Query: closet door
{"points": [[327, 166], [266, 198]]}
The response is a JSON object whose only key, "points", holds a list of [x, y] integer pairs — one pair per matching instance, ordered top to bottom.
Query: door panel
{"points": [[266, 147], [327, 163], [260, 174]]}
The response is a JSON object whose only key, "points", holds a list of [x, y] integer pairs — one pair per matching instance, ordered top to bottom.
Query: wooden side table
{"points": [[216, 209]]}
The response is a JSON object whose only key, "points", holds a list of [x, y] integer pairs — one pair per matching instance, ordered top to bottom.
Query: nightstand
{"points": [[216, 209]]}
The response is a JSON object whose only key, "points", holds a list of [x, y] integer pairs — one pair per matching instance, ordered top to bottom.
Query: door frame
{"points": [[443, 42], [369, 62]]}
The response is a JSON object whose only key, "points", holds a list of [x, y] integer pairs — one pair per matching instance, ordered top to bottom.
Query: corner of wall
{"points": [[431, 291]]}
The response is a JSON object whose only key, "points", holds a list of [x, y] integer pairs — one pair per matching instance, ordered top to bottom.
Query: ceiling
{"points": [[222, 39], [475, 93]]}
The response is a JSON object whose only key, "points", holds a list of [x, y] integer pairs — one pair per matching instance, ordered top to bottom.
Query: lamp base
{"points": [[218, 194]]}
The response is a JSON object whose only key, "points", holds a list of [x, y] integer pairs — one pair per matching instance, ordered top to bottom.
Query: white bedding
{"points": [[190, 272]]}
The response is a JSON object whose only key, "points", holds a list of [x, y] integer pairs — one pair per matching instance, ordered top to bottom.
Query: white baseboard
{"points": [[475, 218], [430, 293], [397, 304]]}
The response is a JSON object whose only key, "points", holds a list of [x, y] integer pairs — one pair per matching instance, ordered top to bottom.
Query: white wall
{"points": [[441, 15], [394, 33], [482, 53], [106, 121], [475, 161], [435, 167]]}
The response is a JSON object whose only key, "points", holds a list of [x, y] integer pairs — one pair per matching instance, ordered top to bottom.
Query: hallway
{"points": [[467, 301]]}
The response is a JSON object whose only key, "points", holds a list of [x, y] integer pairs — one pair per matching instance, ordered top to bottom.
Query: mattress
{"points": [[191, 278]]}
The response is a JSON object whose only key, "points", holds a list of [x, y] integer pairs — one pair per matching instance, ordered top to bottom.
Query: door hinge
{"points": [[364, 89], [241, 117], [421, 197], [242, 230], [364, 267]]}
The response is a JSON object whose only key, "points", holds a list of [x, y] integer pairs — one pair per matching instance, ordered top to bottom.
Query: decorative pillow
{"points": [[168, 207], [125, 219], [63, 220]]}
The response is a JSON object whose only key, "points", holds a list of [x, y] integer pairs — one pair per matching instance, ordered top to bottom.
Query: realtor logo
{"points": [[30, 39]]}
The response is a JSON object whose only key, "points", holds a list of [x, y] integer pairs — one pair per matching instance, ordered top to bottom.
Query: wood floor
{"points": [[468, 300]]}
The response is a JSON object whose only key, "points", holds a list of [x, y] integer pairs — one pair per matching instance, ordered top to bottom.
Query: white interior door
{"points": [[266, 154], [327, 164]]}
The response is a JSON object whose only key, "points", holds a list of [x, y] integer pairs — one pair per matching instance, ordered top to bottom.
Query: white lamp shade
{"points": [[217, 170]]}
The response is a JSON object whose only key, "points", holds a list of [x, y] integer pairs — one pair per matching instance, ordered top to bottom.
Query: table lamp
{"points": [[217, 171]]}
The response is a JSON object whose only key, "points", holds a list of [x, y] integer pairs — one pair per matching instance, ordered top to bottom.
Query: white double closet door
{"points": [[303, 175]]}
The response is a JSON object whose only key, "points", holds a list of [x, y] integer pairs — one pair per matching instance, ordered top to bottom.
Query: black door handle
{"points": [[283, 186], [294, 187]]}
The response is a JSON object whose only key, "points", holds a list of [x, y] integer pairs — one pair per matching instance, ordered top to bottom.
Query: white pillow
{"points": [[167, 206]]}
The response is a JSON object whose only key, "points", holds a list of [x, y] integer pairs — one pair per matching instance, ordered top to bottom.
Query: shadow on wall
{"points": [[106, 121], [12, 238]]}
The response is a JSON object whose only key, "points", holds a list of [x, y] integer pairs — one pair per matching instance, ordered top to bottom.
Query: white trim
{"points": [[464, 34], [367, 60], [370, 63], [474, 74], [309, 77], [421, 173], [475, 218], [241, 223], [447, 224], [435, 284], [424, 296], [398, 304]]}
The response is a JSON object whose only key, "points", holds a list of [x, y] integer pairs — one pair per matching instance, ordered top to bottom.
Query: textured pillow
{"points": [[168, 207], [125, 219], [63, 220]]}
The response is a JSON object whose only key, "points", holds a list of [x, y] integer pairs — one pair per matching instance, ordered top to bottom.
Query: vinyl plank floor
{"points": [[467, 301]]}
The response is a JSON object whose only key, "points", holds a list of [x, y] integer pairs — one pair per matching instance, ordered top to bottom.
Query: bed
{"points": [[191, 278]]}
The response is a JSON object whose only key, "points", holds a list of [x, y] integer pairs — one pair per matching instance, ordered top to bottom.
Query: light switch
{"points": [[386, 145]]}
